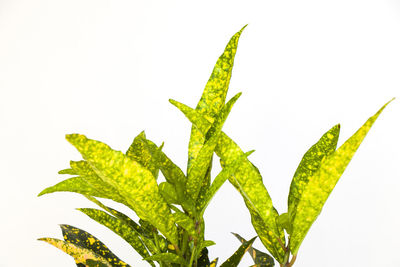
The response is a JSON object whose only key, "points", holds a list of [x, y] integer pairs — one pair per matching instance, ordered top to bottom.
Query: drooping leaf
{"points": [[214, 94], [140, 151], [309, 165], [219, 180], [134, 182], [321, 184], [75, 185], [120, 228], [80, 254], [168, 257], [260, 258], [234, 260]]}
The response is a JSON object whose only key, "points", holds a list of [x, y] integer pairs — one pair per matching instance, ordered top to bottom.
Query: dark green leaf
{"points": [[260, 258], [234, 260]]}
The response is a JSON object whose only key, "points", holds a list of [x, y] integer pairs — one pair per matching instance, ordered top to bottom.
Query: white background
{"points": [[107, 69]]}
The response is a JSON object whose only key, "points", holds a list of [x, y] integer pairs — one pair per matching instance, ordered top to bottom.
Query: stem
{"points": [[192, 256]]}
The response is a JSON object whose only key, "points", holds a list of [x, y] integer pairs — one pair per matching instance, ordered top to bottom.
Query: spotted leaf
{"points": [[214, 94], [309, 165], [132, 181], [323, 181], [120, 228], [82, 255], [168, 257], [260, 258], [234, 260]]}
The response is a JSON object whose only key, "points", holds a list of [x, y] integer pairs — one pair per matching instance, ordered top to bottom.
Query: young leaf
{"points": [[214, 94], [140, 151], [309, 165], [135, 183], [321, 184], [120, 228], [80, 254], [168, 257], [260, 258], [234, 260]]}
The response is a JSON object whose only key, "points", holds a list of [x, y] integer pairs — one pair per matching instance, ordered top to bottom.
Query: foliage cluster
{"points": [[170, 229]]}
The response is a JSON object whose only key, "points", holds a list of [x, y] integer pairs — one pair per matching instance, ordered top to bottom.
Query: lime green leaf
{"points": [[214, 94], [140, 151], [309, 165], [198, 170], [68, 171], [219, 180], [248, 181], [134, 182], [321, 184], [75, 185], [168, 192], [284, 221], [185, 222], [120, 228], [80, 254], [168, 257], [260, 258], [234, 260]]}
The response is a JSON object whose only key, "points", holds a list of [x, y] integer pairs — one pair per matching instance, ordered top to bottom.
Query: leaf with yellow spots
{"points": [[214, 94], [140, 151], [309, 165], [247, 179], [133, 182], [322, 182], [75, 185], [168, 192], [185, 222], [120, 228], [85, 240], [80, 254], [260, 258], [234, 260], [214, 262]]}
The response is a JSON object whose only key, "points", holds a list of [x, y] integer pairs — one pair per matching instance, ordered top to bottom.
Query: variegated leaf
{"points": [[214, 94], [309, 165], [323, 181], [134, 182], [75, 185], [185, 222], [120, 228], [80, 254], [260, 258], [234, 260], [214, 263]]}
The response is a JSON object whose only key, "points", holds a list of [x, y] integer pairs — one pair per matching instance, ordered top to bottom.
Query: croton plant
{"points": [[170, 228]]}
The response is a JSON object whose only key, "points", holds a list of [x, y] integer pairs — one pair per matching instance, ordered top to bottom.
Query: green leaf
{"points": [[214, 94], [140, 151], [309, 165], [68, 171], [219, 180], [134, 182], [249, 182], [321, 184], [75, 185], [168, 192], [284, 221], [185, 222], [120, 228], [80, 254], [168, 257], [260, 258], [203, 260], [234, 260], [214, 262]]}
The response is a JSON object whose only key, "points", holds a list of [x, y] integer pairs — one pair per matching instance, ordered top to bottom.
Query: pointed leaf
{"points": [[214, 94], [139, 151], [309, 165], [68, 171], [135, 183], [321, 184], [75, 185], [284, 221], [120, 228], [83, 239], [80, 254], [168, 257], [260, 258], [203, 260], [234, 260], [214, 262]]}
